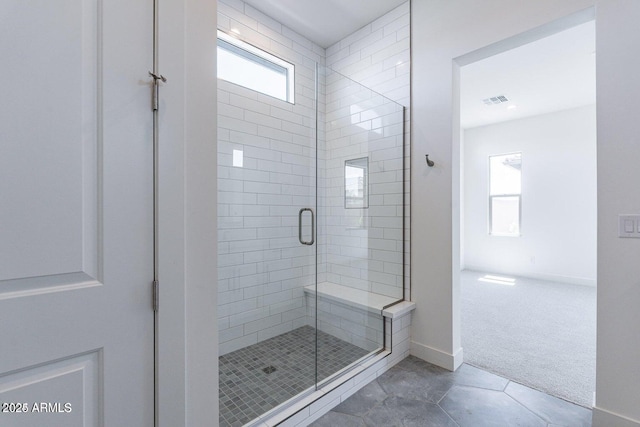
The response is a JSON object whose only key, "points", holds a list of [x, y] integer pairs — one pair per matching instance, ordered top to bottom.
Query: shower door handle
{"points": [[313, 226]]}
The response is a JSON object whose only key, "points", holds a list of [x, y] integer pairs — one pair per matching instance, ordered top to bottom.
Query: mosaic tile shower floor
{"points": [[247, 390]]}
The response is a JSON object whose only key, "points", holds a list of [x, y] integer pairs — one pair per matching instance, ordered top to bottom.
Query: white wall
{"points": [[444, 30], [618, 91], [558, 221], [186, 338]]}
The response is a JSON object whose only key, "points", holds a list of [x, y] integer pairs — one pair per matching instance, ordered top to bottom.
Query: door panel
{"points": [[49, 118], [76, 211], [71, 380]]}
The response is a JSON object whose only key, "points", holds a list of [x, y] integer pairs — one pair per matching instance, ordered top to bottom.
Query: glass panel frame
{"points": [[363, 267]]}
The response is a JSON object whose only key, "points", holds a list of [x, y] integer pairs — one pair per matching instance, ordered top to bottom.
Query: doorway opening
{"points": [[528, 212]]}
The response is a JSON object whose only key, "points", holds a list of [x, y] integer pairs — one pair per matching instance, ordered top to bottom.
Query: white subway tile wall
{"points": [[378, 56], [267, 172], [363, 245], [262, 266]]}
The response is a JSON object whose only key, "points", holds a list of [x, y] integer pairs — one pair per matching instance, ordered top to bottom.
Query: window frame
{"points": [[259, 56], [491, 197]]}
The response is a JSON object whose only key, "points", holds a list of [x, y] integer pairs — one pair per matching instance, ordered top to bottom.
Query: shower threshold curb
{"points": [[343, 381]]}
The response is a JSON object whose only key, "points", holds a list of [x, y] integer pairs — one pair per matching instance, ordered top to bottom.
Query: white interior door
{"points": [[76, 231]]}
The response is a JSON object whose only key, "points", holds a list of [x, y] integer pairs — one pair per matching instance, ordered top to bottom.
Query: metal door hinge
{"points": [[156, 89], [156, 295]]}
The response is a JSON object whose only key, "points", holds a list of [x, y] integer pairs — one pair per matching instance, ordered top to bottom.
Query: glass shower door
{"points": [[361, 211], [310, 228], [267, 247]]}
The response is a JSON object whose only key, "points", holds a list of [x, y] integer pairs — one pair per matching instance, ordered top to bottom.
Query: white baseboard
{"points": [[437, 357], [604, 418]]}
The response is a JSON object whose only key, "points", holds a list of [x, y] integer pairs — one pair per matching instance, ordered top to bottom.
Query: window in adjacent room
{"points": [[253, 68], [356, 175], [505, 199]]}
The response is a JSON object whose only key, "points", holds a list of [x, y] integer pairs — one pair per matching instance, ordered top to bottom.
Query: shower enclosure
{"points": [[310, 227]]}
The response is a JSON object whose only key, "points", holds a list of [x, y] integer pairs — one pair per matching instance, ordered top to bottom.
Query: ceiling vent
{"points": [[495, 100]]}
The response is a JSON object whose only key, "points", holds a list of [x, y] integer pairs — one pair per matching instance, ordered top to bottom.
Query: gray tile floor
{"points": [[249, 388], [415, 393]]}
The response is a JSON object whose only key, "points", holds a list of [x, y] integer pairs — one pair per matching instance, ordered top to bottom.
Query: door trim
{"points": [[186, 334]]}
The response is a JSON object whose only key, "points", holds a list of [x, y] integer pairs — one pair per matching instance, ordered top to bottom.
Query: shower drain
{"points": [[269, 369]]}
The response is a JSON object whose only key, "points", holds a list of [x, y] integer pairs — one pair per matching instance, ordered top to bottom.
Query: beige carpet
{"points": [[538, 333]]}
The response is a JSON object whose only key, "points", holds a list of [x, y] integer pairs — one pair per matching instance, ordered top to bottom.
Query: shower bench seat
{"points": [[357, 298], [353, 315]]}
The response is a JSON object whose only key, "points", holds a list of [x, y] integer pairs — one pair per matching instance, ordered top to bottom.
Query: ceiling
{"points": [[325, 22], [552, 74]]}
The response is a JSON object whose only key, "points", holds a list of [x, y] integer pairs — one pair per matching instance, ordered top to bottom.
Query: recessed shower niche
{"points": [[310, 216]]}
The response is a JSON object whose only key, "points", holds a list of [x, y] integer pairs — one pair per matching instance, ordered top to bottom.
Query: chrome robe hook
{"points": [[430, 163]]}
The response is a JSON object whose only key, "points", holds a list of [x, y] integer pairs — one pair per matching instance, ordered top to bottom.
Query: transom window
{"points": [[253, 68], [505, 198]]}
